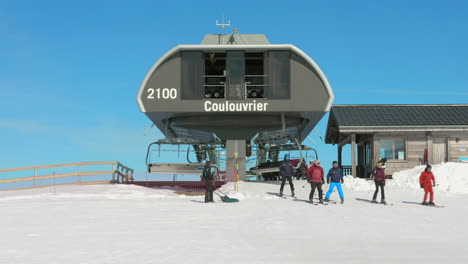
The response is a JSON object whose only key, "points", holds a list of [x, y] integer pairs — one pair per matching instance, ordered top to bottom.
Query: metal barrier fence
{"points": [[191, 184]]}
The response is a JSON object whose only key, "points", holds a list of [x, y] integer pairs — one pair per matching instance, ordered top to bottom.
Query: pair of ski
{"points": [[284, 196], [324, 202], [317, 203], [390, 204], [435, 206]]}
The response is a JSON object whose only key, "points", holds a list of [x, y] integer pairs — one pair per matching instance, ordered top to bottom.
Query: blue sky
{"points": [[70, 70]]}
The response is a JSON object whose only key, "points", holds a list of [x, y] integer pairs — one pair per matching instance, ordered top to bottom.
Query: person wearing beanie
{"points": [[286, 172], [335, 175], [379, 179], [427, 181]]}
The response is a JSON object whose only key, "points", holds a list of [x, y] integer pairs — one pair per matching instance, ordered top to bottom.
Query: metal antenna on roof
{"points": [[223, 25]]}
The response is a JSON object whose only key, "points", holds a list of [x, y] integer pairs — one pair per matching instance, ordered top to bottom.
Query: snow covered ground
{"points": [[132, 224]]}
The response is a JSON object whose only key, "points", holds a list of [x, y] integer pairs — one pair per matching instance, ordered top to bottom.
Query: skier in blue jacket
{"points": [[336, 176]]}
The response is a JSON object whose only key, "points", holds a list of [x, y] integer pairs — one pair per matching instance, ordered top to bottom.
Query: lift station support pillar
{"points": [[235, 159]]}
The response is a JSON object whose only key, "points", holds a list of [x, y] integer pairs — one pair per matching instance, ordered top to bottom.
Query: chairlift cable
{"points": [[148, 130], [318, 134], [313, 142]]}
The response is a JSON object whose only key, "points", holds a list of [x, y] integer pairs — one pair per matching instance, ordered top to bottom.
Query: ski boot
{"points": [[281, 194], [292, 194], [327, 200], [342, 200], [311, 201], [321, 201], [374, 201], [383, 202], [424, 203], [431, 204]]}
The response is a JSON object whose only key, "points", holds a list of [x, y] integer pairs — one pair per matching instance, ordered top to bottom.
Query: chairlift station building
{"points": [[235, 88]]}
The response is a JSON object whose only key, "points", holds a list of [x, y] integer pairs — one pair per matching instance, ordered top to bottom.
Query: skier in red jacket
{"points": [[316, 179], [427, 181]]}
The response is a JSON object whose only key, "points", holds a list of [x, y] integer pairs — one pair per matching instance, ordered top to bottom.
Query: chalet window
{"points": [[393, 149]]}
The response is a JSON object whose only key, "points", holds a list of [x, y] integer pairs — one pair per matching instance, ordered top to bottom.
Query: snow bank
{"points": [[451, 177], [358, 184]]}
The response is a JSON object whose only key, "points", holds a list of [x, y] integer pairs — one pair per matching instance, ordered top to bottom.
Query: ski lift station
{"points": [[234, 90]]}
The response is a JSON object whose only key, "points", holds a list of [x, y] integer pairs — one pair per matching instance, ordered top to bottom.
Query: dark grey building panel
{"points": [[236, 69], [279, 74], [191, 75]]}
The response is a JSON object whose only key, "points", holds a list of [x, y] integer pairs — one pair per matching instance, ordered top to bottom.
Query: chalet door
{"points": [[439, 150]]}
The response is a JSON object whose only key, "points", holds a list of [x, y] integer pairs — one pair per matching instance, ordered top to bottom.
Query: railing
{"points": [[215, 86], [255, 86], [347, 170], [360, 171], [119, 174]]}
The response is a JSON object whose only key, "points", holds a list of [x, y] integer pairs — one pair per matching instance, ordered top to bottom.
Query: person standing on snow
{"points": [[286, 172], [335, 175], [315, 177], [208, 178], [379, 179], [427, 181]]}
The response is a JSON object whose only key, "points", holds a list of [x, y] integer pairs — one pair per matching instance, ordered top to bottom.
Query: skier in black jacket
{"points": [[286, 171], [208, 178]]}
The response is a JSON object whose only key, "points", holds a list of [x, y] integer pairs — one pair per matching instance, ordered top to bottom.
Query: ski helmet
{"points": [[286, 157], [428, 167]]}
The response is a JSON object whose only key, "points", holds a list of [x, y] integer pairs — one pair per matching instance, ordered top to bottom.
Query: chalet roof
{"points": [[400, 115], [378, 117]]}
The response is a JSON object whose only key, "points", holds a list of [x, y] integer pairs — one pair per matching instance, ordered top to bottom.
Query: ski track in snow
{"points": [[132, 224]]}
